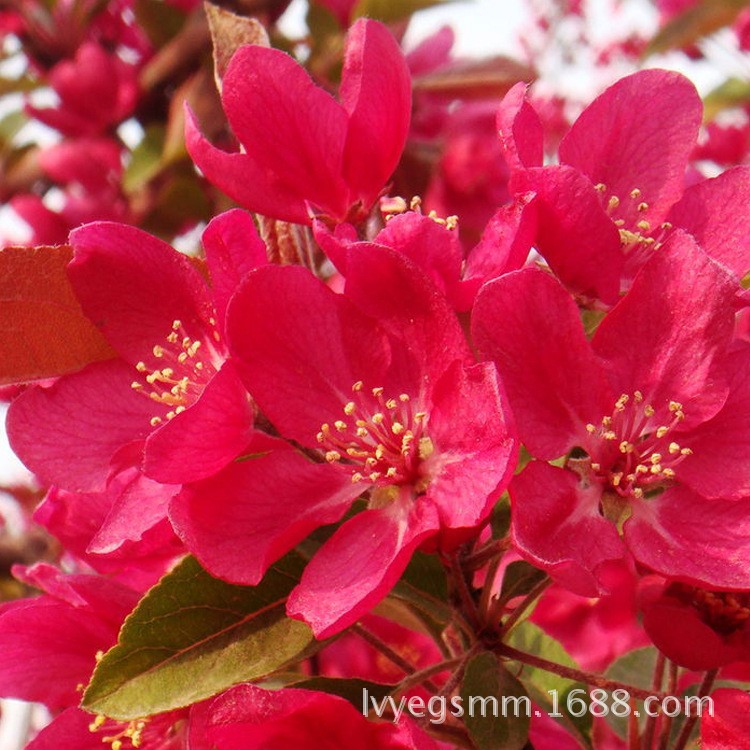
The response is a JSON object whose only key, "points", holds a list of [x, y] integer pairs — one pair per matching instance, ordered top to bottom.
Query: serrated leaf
{"points": [[390, 11], [698, 21], [228, 33], [45, 333], [520, 578], [192, 636], [502, 721]]}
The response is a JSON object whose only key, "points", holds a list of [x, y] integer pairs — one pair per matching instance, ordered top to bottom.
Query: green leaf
{"points": [[393, 10], [158, 19], [698, 21], [734, 92], [146, 160], [426, 573], [520, 578], [193, 636], [635, 668], [543, 685], [349, 689], [497, 709]]}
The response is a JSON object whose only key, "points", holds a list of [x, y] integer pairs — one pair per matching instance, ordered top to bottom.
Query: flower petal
{"points": [[376, 93], [288, 125], [638, 134], [243, 179], [715, 212], [575, 235], [233, 249], [119, 274], [530, 327], [668, 336], [301, 348], [68, 432], [205, 437], [263, 505], [557, 526], [686, 537], [359, 564]]}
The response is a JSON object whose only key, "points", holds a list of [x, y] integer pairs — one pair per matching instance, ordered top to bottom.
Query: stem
{"points": [[495, 548], [527, 601], [469, 607], [390, 654], [572, 674], [416, 678], [690, 721], [666, 726], [650, 730], [633, 742]]}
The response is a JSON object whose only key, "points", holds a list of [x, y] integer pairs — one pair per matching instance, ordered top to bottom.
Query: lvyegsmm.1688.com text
{"points": [[597, 702]]}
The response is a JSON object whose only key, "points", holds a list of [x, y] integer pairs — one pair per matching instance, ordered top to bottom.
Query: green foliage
{"points": [[390, 11], [520, 578], [193, 636], [486, 678], [543, 685]]}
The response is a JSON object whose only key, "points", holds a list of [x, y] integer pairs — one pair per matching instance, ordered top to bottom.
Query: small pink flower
{"points": [[304, 152]]}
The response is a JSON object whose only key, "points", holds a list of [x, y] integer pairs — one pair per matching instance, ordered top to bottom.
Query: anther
{"points": [[635, 193], [613, 202], [642, 207], [644, 225], [350, 408], [649, 410], [340, 426], [397, 428], [662, 431], [674, 448], [333, 456]]}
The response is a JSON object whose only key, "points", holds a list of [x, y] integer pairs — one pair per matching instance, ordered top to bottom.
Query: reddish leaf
{"points": [[45, 332]]}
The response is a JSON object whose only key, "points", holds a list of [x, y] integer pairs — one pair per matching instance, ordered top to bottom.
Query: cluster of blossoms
{"points": [[360, 446]]}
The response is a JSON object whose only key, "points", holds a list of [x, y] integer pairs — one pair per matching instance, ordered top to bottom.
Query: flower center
{"points": [[395, 206], [638, 238], [185, 366], [382, 439], [633, 450], [724, 611], [155, 732]]}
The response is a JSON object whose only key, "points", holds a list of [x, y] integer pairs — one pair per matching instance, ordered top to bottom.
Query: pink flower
{"points": [[96, 90], [305, 153], [618, 191], [433, 244], [171, 385], [377, 394], [650, 416], [714, 625], [250, 718]]}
